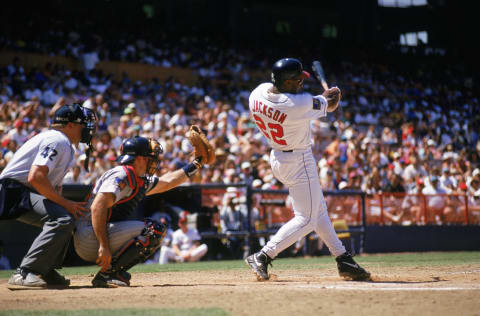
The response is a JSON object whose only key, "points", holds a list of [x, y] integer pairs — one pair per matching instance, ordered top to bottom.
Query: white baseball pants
{"points": [[297, 170], [167, 253]]}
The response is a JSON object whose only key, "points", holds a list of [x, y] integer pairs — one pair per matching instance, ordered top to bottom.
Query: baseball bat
{"points": [[319, 73]]}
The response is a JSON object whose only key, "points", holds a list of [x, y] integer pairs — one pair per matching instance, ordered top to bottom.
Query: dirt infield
{"points": [[407, 291]]}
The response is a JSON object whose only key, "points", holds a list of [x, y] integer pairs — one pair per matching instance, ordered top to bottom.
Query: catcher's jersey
{"points": [[284, 118], [51, 148], [116, 181], [129, 190]]}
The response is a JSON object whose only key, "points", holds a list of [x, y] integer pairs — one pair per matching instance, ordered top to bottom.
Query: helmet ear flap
{"points": [[284, 69]]}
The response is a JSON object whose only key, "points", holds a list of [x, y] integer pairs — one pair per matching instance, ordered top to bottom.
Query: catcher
{"points": [[106, 236]]}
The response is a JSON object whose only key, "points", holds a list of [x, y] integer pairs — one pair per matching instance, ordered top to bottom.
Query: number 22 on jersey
{"points": [[274, 130]]}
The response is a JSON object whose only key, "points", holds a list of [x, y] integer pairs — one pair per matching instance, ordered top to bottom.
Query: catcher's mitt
{"points": [[202, 147]]}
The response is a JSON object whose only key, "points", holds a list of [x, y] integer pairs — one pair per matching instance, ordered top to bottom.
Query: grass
{"points": [[384, 260], [122, 312]]}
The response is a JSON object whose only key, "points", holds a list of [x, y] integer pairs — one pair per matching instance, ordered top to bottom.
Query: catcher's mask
{"points": [[78, 114], [141, 146]]}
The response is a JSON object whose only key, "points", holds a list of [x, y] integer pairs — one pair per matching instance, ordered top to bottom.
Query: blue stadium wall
{"points": [[17, 238], [421, 238]]}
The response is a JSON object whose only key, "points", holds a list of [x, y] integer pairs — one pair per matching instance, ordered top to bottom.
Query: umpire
{"points": [[30, 192]]}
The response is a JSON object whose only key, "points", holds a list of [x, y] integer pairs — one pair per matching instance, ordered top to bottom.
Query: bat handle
{"points": [[324, 85]]}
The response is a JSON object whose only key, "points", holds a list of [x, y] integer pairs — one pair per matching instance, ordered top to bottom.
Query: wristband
{"points": [[192, 168]]}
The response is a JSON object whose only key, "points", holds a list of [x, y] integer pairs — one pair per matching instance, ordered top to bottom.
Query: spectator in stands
{"points": [[89, 60], [15, 68], [18, 134], [424, 135], [11, 148], [414, 169], [246, 172], [73, 176], [446, 180], [327, 181], [373, 182], [395, 183], [472, 200], [437, 201], [413, 203], [392, 210], [233, 218], [186, 245]]}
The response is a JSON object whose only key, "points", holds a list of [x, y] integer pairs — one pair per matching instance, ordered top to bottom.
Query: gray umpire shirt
{"points": [[51, 148]]}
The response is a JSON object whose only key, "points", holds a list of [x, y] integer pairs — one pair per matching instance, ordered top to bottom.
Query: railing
{"points": [[420, 209], [267, 210]]}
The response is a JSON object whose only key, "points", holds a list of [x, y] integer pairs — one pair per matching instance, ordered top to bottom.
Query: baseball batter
{"points": [[282, 113], [30, 192], [107, 236]]}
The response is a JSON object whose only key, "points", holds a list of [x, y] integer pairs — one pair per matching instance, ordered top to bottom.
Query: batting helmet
{"points": [[287, 68], [76, 113], [141, 146]]}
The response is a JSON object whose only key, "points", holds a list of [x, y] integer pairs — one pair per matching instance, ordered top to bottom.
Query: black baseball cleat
{"points": [[259, 263], [349, 269], [53, 278], [111, 279]]}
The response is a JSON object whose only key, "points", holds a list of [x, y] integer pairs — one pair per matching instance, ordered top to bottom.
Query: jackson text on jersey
{"points": [[269, 112]]}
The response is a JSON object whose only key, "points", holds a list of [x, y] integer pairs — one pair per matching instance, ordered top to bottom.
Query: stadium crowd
{"points": [[396, 131]]}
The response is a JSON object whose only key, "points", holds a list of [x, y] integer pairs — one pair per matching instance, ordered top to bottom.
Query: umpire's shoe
{"points": [[259, 263], [350, 270], [25, 277], [54, 278], [111, 279]]}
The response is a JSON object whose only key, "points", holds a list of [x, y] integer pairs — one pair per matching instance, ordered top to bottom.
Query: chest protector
{"points": [[121, 210]]}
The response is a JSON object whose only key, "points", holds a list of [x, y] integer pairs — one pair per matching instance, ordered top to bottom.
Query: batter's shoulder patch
{"points": [[317, 104], [121, 183]]}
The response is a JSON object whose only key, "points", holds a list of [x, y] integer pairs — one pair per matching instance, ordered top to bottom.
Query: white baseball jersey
{"points": [[284, 118], [51, 148], [185, 241]]}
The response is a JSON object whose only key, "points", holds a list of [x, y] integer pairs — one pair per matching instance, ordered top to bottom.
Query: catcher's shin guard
{"points": [[140, 248]]}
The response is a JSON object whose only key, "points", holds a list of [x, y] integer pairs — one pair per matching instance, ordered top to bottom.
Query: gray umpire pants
{"points": [[48, 250]]}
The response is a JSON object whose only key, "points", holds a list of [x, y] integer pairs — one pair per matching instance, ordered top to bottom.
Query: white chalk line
{"points": [[463, 272], [389, 288]]}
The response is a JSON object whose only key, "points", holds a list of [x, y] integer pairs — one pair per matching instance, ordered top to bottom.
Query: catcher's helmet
{"points": [[287, 68], [76, 113], [141, 146]]}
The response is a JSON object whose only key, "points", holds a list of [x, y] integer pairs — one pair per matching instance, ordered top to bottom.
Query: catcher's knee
{"points": [[140, 248]]}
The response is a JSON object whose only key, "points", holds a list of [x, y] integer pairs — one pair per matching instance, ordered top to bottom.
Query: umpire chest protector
{"points": [[122, 209]]}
